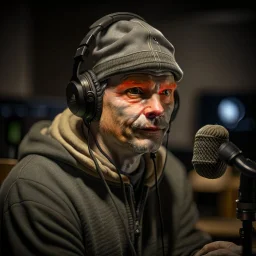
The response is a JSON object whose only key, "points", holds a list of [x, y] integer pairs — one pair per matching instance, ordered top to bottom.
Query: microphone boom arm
{"points": [[232, 155]]}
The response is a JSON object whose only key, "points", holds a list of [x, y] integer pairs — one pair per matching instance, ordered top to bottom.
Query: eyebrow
{"points": [[127, 84], [144, 84], [172, 85]]}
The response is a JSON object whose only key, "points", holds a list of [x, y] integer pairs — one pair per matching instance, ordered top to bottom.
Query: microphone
{"points": [[213, 152], [205, 159]]}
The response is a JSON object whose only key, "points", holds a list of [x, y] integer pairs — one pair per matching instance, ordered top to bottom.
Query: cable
{"points": [[167, 135], [153, 156], [118, 171], [109, 191]]}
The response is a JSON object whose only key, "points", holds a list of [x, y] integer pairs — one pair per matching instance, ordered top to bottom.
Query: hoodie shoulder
{"points": [[38, 142], [175, 172]]}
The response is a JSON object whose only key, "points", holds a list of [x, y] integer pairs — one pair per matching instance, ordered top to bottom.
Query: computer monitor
{"points": [[18, 115]]}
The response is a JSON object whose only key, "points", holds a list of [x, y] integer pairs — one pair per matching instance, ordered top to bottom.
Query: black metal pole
{"points": [[246, 211], [246, 238]]}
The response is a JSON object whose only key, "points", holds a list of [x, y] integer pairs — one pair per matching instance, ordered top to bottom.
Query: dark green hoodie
{"points": [[54, 203]]}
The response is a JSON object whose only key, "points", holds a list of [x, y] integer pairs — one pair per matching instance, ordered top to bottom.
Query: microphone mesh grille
{"points": [[205, 153]]}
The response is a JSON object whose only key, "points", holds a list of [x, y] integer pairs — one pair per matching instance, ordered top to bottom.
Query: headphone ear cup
{"points": [[99, 90], [84, 97], [75, 98], [176, 105]]}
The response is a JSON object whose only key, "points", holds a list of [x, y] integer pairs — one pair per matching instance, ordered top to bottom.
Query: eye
{"points": [[134, 91], [167, 92]]}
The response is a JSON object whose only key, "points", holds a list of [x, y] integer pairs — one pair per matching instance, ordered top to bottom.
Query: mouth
{"points": [[150, 129]]}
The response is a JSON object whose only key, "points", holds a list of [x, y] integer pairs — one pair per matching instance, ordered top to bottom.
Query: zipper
{"points": [[137, 216], [137, 224]]}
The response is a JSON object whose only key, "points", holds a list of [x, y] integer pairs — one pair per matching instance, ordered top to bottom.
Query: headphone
{"points": [[84, 93]]}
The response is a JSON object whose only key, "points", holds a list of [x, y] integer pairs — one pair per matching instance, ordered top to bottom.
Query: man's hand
{"points": [[220, 248]]}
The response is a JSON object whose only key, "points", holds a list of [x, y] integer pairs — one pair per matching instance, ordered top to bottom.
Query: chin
{"points": [[145, 146]]}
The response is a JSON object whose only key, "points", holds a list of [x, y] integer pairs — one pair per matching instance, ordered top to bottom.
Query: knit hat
{"points": [[131, 46]]}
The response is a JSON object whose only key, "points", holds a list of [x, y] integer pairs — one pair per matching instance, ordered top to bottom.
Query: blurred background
{"points": [[215, 46]]}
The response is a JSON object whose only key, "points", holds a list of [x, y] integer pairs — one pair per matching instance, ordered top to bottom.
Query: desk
{"points": [[220, 226], [225, 229]]}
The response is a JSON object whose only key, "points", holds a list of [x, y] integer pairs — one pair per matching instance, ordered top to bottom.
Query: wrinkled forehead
{"points": [[156, 77]]}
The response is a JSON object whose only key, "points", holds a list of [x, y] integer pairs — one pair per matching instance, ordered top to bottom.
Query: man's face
{"points": [[137, 109]]}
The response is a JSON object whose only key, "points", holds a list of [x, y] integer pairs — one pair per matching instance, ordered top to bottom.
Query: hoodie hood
{"points": [[63, 140]]}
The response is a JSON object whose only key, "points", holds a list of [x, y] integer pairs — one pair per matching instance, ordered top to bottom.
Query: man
{"points": [[97, 180]]}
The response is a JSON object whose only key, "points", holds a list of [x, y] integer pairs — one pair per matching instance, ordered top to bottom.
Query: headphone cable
{"points": [[153, 156], [118, 171], [108, 190]]}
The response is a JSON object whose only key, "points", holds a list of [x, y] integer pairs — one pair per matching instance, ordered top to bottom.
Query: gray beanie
{"points": [[131, 46]]}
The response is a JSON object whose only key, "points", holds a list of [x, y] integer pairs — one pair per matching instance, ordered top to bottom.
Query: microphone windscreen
{"points": [[205, 159]]}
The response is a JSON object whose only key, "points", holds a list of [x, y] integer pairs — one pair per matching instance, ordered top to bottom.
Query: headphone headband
{"points": [[111, 18], [84, 92]]}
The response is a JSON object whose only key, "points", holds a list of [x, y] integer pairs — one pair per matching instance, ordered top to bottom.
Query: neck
{"points": [[124, 160]]}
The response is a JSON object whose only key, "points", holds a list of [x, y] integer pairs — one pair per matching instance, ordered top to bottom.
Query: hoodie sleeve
{"points": [[36, 221]]}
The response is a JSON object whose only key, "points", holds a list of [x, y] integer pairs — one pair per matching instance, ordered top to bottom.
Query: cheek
{"points": [[120, 107], [168, 112], [115, 114]]}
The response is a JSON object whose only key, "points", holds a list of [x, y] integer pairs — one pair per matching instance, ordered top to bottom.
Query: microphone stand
{"points": [[246, 202], [246, 211]]}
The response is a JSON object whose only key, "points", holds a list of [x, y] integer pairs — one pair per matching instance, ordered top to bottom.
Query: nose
{"points": [[154, 107]]}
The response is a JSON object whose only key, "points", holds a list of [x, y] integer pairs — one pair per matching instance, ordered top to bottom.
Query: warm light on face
{"points": [[143, 86], [136, 111]]}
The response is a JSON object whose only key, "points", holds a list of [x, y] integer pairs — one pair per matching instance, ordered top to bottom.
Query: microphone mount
{"points": [[233, 156], [246, 202]]}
